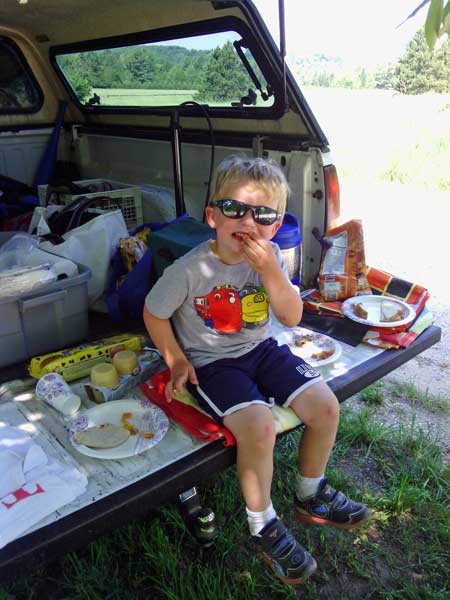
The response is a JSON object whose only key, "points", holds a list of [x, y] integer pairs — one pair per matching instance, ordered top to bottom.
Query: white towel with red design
{"points": [[32, 484]]}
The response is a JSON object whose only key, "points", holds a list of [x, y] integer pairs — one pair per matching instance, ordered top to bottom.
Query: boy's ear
{"points": [[209, 213], [276, 227]]}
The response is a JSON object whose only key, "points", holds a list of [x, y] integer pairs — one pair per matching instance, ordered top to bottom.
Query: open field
{"points": [[125, 97], [135, 97], [379, 135]]}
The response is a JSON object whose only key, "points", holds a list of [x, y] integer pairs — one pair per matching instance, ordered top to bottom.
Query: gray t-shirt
{"points": [[217, 310]]}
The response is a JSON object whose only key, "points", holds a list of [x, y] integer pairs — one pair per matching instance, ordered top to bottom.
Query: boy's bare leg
{"points": [[317, 407], [254, 430]]}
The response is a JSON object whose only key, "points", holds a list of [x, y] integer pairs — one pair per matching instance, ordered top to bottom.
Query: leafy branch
{"points": [[437, 22]]}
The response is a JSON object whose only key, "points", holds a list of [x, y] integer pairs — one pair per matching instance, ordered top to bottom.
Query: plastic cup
{"points": [[52, 389]]}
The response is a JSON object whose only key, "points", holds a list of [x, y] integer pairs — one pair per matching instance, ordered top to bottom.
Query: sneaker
{"points": [[329, 507], [290, 562]]}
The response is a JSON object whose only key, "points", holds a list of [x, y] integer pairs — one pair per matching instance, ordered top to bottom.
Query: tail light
{"points": [[332, 197]]}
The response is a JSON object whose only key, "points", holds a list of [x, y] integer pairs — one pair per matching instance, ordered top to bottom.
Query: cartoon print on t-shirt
{"points": [[255, 306], [220, 309], [227, 309]]}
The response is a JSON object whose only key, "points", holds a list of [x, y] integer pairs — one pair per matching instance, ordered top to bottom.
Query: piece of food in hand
{"points": [[360, 311], [391, 312], [106, 435]]}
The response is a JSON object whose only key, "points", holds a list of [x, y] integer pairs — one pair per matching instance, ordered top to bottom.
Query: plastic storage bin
{"points": [[121, 195], [289, 239], [44, 320]]}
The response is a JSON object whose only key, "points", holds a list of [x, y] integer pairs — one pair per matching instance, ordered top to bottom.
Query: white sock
{"points": [[306, 487], [257, 520]]}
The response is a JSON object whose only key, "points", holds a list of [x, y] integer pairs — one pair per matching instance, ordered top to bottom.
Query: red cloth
{"points": [[381, 283], [195, 422]]}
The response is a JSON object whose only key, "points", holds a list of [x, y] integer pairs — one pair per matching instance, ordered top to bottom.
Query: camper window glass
{"points": [[216, 69], [19, 91]]}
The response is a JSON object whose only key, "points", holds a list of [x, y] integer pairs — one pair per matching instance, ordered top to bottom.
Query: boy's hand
{"points": [[259, 254], [180, 373]]}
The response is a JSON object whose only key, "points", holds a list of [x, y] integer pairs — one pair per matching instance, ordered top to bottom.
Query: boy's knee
{"points": [[317, 406], [331, 406], [258, 432]]}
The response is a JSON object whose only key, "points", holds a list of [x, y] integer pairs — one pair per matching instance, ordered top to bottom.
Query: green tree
{"points": [[141, 67], [419, 70], [223, 77], [383, 77], [322, 79], [81, 87]]}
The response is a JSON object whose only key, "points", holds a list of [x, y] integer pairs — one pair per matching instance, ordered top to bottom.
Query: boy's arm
{"points": [[285, 302], [181, 370]]}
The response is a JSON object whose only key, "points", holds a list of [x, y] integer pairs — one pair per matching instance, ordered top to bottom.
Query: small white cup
{"points": [[52, 388]]}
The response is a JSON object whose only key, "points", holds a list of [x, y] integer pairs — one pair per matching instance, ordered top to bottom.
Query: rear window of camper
{"points": [[217, 70]]}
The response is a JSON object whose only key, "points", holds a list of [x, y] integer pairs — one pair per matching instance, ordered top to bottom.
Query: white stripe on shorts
{"points": [[302, 388], [234, 408]]}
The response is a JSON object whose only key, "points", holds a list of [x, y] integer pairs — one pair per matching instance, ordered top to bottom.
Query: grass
{"points": [[131, 97], [373, 394], [376, 394], [433, 403], [402, 553]]}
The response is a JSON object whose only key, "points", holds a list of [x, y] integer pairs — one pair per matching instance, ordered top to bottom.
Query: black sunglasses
{"points": [[233, 209]]}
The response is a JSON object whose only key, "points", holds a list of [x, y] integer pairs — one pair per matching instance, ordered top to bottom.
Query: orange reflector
{"points": [[333, 197]]}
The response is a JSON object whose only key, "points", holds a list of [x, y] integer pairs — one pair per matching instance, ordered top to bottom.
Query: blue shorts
{"points": [[266, 375]]}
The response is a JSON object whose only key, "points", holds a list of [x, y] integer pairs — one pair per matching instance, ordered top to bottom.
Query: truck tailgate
{"points": [[139, 490]]}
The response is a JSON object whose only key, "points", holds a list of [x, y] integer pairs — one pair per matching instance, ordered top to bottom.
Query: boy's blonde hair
{"points": [[235, 171]]}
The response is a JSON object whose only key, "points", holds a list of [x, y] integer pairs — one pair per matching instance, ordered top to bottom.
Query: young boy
{"points": [[217, 297]]}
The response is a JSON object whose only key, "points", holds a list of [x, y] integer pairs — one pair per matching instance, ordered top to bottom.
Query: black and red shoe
{"points": [[329, 507], [290, 562]]}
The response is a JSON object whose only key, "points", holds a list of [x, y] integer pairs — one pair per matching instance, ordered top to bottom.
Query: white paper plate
{"points": [[372, 304], [313, 343], [145, 418]]}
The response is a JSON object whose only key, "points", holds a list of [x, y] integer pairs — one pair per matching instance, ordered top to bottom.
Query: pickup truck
{"points": [[156, 94]]}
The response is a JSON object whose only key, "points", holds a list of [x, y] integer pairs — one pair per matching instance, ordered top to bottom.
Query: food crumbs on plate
{"points": [[302, 340], [322, 355], [126, 416], [130, 428], [147, 435]]}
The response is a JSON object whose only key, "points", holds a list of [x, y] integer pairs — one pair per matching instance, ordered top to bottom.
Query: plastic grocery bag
{"points": [[92, 244]]}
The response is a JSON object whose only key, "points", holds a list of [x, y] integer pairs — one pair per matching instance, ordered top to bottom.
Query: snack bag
{"points": [[132, 249], [343, 267]]}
